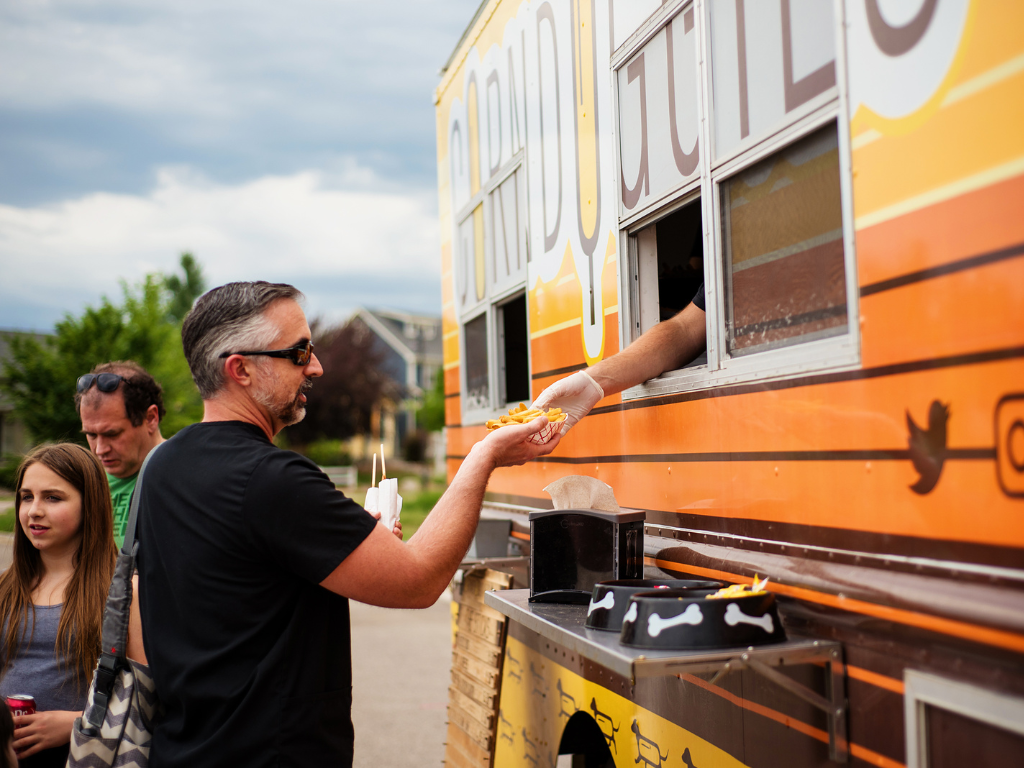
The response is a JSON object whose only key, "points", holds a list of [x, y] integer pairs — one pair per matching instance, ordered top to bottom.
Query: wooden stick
{"points": [[383, 472], [373, 477]]}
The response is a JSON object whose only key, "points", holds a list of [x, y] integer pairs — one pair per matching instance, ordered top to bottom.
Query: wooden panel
{"points": [[476, 623], [488, 653], [477, 660], [481, 694], [480, 713], [481, 734], [460, 750]]}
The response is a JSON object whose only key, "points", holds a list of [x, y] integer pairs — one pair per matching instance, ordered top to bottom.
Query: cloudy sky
{"points": [[288, 141]]}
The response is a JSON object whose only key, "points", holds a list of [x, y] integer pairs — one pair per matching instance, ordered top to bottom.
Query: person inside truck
{"points": [[667, 346]]}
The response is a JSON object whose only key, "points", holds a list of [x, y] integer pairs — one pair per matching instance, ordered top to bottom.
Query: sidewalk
{"points": [[400, 673]]}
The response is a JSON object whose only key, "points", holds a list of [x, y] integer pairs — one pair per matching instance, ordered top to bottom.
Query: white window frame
{"points": [[489, 305], [837, 353], [921, 689]]}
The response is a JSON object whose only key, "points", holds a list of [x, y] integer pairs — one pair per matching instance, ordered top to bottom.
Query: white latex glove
{"points": [[575, 395]]}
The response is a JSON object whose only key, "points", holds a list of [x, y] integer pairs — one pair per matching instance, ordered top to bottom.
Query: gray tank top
{"points": [[35, 670]]}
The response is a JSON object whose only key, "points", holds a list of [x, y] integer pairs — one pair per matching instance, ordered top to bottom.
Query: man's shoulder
{"points": [[225, 444]]}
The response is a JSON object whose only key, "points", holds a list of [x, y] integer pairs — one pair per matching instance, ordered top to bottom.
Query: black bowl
{"points": [[609, 599], [679, 620]]}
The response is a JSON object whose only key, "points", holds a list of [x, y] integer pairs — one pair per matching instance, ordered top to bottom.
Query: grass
{"points": [[415, 508], [7, 518]]}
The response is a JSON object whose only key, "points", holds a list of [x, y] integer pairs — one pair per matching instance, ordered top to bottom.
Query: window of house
{"points": [[741, 181]]}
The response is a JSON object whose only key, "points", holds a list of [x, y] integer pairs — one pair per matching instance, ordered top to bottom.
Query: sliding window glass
{"points": [[782, 236]]}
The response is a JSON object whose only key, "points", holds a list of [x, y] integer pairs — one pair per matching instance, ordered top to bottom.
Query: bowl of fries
{"points": [[523, 415]]}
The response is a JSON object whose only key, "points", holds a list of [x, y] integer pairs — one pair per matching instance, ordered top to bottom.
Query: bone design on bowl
{"points": [[609, 599], [680, 620]]}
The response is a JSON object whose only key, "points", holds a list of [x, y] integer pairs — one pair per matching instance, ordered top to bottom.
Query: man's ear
{"points": [[236, 369], [152, 419]]}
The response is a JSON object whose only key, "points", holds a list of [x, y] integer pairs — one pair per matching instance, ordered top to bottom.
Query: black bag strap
{"points": [[133, 511], [117, 613]]}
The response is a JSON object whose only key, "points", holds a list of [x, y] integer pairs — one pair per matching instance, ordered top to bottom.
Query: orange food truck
{"points": [[846, 179]]}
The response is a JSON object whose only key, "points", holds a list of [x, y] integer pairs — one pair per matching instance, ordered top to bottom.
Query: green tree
{"points": [[186, 289], [40, 376], [430, 415]]}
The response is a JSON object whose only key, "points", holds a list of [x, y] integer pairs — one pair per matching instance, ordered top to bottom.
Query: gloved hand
{"points": [[575, 395]]}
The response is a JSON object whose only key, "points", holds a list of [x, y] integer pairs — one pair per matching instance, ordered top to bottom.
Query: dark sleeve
{"points": [[698, 299], [306, 524]]}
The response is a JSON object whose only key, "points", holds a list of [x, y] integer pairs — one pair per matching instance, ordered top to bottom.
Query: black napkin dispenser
{"points": [[571, 550]]}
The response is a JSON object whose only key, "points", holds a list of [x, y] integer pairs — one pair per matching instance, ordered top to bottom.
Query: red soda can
{"points": [[21, 704]]}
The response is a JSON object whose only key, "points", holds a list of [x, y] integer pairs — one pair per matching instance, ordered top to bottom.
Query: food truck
{"points": [[846, 179]]}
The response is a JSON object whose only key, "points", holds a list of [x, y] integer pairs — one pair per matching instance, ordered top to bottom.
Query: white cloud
{"points": [[305, 228]]}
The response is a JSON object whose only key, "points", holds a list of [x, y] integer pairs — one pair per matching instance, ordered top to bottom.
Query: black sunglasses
{"points": [[300, 354], [105, 382]]}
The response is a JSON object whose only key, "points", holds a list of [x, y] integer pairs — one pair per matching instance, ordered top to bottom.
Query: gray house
{"points": [[411, 352]]}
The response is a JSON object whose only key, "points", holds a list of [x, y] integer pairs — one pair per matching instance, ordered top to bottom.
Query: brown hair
{"points": [[138, 388], [79, 634]]}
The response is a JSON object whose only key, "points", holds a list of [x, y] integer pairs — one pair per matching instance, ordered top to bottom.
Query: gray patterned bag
{"points": [[116, 728]]}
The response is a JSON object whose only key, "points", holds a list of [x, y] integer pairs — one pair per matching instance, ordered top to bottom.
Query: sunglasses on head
{"points": [[300, 354], [105, 382]]}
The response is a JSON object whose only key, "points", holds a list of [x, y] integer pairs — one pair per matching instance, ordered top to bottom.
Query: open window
{"points": [[734, 171], [669, 257]]}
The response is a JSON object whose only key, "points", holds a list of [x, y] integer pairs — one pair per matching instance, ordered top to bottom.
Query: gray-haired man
{"points": [[244, 602]]}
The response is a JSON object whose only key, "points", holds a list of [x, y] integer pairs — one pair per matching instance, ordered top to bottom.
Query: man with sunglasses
{"points": [[121, 406], [248, 554]]}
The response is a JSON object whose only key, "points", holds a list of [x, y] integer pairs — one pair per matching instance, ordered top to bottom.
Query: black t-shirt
{"points": [[698, 299], [251, 657]]}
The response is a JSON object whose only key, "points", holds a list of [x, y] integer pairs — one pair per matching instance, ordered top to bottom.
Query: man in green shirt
{"points": [[121, 406]]}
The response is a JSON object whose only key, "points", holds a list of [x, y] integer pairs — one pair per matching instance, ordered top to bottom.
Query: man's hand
{"points": [[575, 395], [508, 446], [397, 530], [42, 730]]}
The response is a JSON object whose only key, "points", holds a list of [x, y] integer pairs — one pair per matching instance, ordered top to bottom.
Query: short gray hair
{"points": [[229, 318]]}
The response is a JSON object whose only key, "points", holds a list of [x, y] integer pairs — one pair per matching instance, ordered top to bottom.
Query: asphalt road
{"points": [[400, 673]]}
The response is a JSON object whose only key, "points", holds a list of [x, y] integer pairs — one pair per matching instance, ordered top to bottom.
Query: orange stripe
{"points": [[969, 225], [988, 303], [518, 535], [972, 632], [873, 678], [862, 753]]}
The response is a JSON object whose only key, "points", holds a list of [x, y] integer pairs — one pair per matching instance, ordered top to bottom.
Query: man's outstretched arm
{"points": [[384, 571]]}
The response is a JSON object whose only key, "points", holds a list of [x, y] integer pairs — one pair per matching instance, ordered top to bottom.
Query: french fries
{"points": [[523, 415], [741, 590]]}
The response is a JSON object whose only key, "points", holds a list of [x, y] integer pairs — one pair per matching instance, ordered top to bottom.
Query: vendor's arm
{"points": [[669, 345], [384, 571]]}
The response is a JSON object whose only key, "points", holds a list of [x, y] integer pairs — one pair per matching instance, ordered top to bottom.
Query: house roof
{"points": [[417, 338]]}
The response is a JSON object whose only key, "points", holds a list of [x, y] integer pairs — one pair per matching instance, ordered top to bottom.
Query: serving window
{"points": [[762, 214]]}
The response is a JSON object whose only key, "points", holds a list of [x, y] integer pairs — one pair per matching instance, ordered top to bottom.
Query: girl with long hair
{"points": [[52, 596]]}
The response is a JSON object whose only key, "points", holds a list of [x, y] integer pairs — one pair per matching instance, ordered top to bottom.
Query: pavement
{"points": [[401, 663], [400, 674]]}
